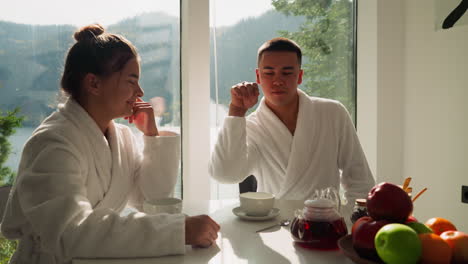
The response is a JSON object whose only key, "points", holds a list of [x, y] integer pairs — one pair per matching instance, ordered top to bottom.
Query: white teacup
{"points": [[256, 203], [165, 205]]}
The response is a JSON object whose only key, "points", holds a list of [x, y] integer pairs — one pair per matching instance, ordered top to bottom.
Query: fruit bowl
{"points": [[346, 246]]}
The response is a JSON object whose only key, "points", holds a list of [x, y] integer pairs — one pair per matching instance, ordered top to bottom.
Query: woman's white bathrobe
{"points": [[293, 167], [72, 184]]}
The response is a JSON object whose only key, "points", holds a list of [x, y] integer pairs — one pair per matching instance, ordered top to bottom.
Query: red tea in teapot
{"points": [[318, 225], [314, 234]]}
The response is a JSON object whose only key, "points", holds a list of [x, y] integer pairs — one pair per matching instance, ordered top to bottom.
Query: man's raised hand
{"points": [[244, 95]]}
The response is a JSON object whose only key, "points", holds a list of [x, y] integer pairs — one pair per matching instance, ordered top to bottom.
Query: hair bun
{"points": [[88, 32]]}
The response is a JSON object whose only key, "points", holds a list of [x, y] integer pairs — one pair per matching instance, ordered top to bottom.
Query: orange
{"points": [[440, 225], [458, 241], [434, 249]]}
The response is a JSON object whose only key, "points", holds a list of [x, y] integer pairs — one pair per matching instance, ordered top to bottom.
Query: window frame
{"points": [[195, 98]]}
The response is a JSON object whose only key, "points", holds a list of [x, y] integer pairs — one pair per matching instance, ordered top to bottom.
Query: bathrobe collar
{"points": [[290, 152], [107, 154]]}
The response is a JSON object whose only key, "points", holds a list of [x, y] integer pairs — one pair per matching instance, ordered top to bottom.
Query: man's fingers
{"points": [[251, 88], [255, 88], [248, 90], [236, 91], [243, 91], [252, 91], [244, 94]]}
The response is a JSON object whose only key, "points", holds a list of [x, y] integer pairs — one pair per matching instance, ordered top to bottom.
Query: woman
{"points": [[80, 169]]}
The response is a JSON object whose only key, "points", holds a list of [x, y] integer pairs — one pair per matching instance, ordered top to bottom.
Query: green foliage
{"points": [[327, 40], [8, 122], [7, 247]]}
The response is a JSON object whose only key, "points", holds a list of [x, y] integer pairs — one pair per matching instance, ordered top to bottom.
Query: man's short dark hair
{"points": [[280, 44]]}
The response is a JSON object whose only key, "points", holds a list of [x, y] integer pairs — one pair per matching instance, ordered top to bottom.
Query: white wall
{"points": [[381, 86], [412, 87], [436, 113], [366, 121]]}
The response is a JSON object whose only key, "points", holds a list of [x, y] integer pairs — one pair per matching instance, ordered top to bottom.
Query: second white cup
{"points": [[256, 203]]}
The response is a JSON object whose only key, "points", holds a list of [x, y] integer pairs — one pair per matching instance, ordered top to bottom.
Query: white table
{"points": [[239, 243]]}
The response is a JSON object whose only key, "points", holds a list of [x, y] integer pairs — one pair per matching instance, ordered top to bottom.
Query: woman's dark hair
{"points": [[280, 44], [94, 52]]}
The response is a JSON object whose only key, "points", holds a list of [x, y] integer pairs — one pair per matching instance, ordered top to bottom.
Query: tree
{"points": [[327, 42], [8, 123], [7, 248]]}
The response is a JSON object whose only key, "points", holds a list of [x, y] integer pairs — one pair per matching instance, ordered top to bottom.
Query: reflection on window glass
{"points": [[325, 30], [33, 49]]}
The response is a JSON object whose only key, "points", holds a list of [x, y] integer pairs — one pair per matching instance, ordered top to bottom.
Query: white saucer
{"points": [[274, 212]]}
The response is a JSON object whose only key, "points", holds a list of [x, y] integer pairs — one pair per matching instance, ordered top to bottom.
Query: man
{"points": [[293, 144]]}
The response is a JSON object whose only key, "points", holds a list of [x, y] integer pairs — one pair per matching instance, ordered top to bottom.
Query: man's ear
{"points": [[257, 73], [299, 79], [91, 84]]}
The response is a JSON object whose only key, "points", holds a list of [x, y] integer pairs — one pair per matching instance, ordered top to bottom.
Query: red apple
{"points": [[388, 201], [360, 221], [363, 238], [458, 241]]}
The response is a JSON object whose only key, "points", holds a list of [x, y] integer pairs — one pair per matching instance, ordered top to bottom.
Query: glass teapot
{"points": [[319, 224]]}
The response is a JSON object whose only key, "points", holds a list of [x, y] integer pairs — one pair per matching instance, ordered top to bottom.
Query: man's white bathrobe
{"points": [[293, 167], [72, 184]]}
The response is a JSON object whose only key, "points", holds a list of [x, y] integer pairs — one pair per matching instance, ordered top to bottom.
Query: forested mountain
{"points": [[31, 58]]}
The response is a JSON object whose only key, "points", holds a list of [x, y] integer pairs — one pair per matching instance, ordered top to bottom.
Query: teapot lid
{"points": [[320, 203]]}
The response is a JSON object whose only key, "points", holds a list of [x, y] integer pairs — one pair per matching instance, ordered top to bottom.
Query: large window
{"points": [[325, 30], [35, 40], [33, 46]]}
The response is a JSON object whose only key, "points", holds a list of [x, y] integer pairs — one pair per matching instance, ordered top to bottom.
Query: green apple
{"points": [[420, 228], [398, 244]]}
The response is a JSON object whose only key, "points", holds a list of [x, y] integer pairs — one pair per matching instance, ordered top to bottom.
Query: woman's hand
{"points": [[143, 118], [200, 231]]}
